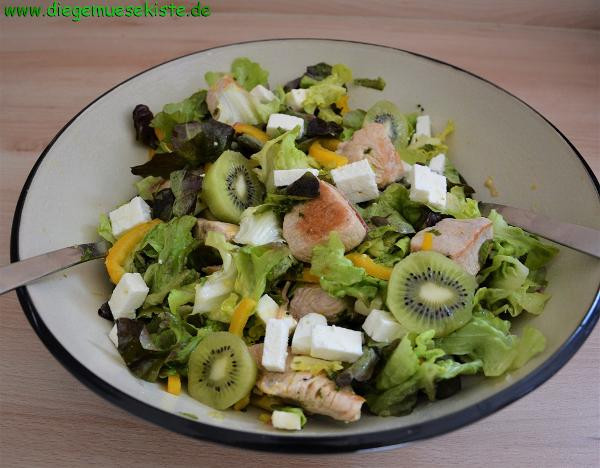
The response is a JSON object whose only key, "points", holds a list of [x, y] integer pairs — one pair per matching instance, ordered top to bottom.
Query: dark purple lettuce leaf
{"points": [[320, 128], [144, 133], [201, 142], [161, 165], [186, 185], [306, 186], [162, 206], [105, 312], [162, 344], [143, 362], [359, 371]]}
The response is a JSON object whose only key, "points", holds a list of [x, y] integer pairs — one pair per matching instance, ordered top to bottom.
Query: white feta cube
{"points": [[262, 94], [295, 98], [279, 123], [423, 126], [438, 163], [284, 177], [356, 181], [427, 186], [129, 215], [129, 294], [266, 308], [291, 322], [381, 326], [303, 335], [114, 337], [336, 343], [275, 345], [286, 420]]}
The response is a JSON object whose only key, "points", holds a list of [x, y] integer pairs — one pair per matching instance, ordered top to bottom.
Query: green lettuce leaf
{"points": [[248, 73], [326, 92], [190, 109], [329, 115], [422, 148], [277, 154], [147, 186], [458, 205], [388, 207], [105, 229], [513, 241], [169, 244], [385, 245], [258, 266], [504, 273], [338, 275], [215, 288], [182, 296], [512, 301], [224, 312], [487, 338], [416, 364], [293, 410]]}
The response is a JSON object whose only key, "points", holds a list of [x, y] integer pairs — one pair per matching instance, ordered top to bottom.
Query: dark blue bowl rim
{"points": [[301, 444]]}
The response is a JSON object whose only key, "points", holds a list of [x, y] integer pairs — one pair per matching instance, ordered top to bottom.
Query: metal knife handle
{"points": [[577, 237], [19, 273]]}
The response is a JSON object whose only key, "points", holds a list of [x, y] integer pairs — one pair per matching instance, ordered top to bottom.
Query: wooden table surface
{"points": [[545, 52]]}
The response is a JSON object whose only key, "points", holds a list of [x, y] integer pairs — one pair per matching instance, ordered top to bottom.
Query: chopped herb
{"points": [[377, 83], [435, 232], [189, 415]]}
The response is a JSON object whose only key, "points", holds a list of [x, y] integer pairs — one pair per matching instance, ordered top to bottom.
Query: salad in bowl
{"points": [[288, 252]]}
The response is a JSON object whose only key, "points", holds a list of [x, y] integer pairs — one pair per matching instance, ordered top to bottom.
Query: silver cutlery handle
{"points": [[577, 237], [19, 273]]}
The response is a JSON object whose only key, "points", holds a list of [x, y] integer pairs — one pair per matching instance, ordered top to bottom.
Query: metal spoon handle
{"points": [[584, 239], [20, 273]]}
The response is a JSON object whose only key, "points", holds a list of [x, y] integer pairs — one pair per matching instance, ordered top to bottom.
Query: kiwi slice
{"points": [[396, 123], [230, 186], [429, 291], [221, 370]]}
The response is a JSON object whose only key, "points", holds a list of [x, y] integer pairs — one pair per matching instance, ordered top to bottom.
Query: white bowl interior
{"points": [[86, 172]]}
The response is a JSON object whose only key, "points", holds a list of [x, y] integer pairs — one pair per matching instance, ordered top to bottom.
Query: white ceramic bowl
{"points": [[84, 171]]}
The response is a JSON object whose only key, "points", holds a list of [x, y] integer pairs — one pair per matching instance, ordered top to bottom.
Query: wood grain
{"points": [[51, 68]]}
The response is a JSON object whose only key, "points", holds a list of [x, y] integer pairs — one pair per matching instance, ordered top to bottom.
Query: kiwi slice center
{"points": [[240, 187], [436, 294], [218, 369]]}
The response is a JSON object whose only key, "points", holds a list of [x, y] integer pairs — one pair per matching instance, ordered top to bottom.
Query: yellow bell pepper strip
{"points": [[342, 104], [252, 131], [159, 134], [330, 143], [326, 158], [427, 241], [118, 253], [372, 268], [308, 277], [241, 314], [174, 384], [240, 405]]}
